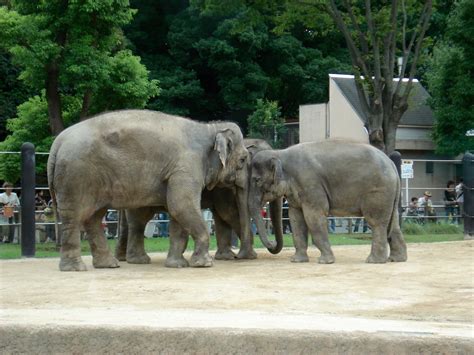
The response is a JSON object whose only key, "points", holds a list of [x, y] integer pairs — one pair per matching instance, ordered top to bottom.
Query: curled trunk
{"points": [[273, 247]]}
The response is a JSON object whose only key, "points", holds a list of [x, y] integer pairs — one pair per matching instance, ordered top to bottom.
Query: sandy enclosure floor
{"points": [[435, 285]]}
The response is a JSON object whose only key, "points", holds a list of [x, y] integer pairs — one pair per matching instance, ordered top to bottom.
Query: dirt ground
{"points": [[435, 286]]}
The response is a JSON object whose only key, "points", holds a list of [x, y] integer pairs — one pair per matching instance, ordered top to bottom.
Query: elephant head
{"points": [[228, 159], [266, 185]]}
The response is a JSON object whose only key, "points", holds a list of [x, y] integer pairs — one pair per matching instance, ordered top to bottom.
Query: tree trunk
{"points": [[53, 98], [86, 104]]}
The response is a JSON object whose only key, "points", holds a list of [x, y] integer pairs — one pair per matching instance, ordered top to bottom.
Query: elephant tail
{"points": [[51, 172], [395, 217]]}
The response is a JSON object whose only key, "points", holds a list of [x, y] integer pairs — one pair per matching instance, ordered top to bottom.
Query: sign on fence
{"points": [[407, 169]]}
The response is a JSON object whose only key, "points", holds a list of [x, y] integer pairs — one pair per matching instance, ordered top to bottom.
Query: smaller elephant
{"points": [[332, 177]]}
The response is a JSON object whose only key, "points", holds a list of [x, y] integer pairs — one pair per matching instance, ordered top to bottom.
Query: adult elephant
{"points": [[135, 158], [331, 177], [221, 201]]}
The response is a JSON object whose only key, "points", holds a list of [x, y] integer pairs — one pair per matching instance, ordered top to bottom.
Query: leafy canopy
{"points": [[84, 41], [451, 82]]}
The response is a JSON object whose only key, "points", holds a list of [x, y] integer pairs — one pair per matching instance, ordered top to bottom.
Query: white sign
{"points": [[407, 169]]}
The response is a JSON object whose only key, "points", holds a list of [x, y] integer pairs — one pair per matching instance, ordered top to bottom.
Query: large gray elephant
{"points": [[132, 159], [332, 177], [223, 204]]}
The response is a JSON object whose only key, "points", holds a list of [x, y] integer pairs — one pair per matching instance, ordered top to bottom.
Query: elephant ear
{"points": [[223, 145], [277, 170]]}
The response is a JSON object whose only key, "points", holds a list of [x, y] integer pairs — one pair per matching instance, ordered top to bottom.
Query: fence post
{"points": [[396, 157], [28, 173], [468, 193]]}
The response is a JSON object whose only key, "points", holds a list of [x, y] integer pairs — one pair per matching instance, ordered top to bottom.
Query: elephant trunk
{"points": [[276, 216], [244, 218], [273, 247]]}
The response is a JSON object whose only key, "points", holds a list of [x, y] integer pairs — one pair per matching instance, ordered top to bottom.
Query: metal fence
{"points": [[10, 227]]}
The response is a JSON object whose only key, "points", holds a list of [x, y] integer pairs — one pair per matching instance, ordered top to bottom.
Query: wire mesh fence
{"points": [[45, 222]]}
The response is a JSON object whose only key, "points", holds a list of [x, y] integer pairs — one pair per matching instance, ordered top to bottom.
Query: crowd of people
{"points": [[421, 209]]}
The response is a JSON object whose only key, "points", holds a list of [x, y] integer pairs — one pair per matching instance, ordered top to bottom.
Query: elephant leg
{"points": [[184, 205], [137, 220], [317, 224], [300, 236], [224, 239], [70, 243], [178, 243], [121, 247], [398, 247], [378, 251], [101, 255]]}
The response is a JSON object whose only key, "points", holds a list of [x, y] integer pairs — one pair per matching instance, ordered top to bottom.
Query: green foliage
{"points": [[84, 41], [214, 59], [451, 83], [12, 92], [266, 123], [31, 125], [430, 228]]}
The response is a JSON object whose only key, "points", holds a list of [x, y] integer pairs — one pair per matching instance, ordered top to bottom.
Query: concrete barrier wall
{"points": [[143, 340]]}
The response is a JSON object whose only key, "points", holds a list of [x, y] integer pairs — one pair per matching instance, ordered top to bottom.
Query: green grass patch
{"points": [[431, 228], [44, 250]]}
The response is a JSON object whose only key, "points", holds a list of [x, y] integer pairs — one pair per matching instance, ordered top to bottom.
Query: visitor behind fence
{"points": [[460, 196], [8, 201], [450, 201], [425, 206], [413, 210], [49, 219]]}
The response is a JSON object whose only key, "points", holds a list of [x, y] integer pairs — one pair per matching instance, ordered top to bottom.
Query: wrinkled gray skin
{"points": [[132, 159], [333, 177], [223, 204]]}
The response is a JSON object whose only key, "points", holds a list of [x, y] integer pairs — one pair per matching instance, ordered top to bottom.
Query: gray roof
{"points": [[418, 113]]}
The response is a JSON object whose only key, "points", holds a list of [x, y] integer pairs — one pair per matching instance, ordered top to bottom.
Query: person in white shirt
{"points": [[460, 196], [8, 199], [425, 205]]}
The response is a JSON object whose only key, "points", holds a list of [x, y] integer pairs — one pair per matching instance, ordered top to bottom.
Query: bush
{"points": [[430, 228], [412, 229]]}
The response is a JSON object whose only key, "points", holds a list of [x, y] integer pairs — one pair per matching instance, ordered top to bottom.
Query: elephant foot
{"points": [[247, 254], [224, 255], [121, 256], [398, 257], [299, 258], [138, 259], [326, 259], [374, 259], [201, 260], [105, 262], [176, 262], [72, 264]]}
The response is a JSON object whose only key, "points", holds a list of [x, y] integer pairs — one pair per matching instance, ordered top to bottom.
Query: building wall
{"points": [[343, 120], [312, 125], [414, 138]]}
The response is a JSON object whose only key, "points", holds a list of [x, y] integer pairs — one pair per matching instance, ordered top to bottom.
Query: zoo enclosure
{"points": [[342, 224]]}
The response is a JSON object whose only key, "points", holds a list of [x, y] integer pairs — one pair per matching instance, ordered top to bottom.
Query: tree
{"points": [[376, 33], [375, 39], [73, 48], [73, 56], [215, 59], [451, 83], [266, 123]]}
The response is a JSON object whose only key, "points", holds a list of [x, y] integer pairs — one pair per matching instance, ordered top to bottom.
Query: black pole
{"points": [[396, 157], [28, 169], [468, 193]]}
